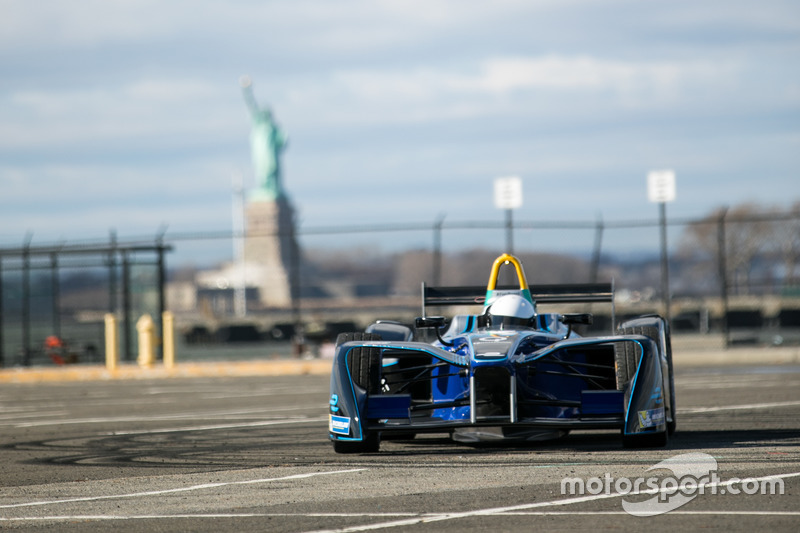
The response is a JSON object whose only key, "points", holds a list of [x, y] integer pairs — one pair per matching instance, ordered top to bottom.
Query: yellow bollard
{"points": [[144, 326], [168, 335], [112, 354]]}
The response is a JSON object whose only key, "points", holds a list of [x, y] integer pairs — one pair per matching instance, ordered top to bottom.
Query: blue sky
{"points": [[128, 114]]}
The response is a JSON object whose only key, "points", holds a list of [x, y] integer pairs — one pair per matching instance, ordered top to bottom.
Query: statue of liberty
{"points": [[267, 142]]}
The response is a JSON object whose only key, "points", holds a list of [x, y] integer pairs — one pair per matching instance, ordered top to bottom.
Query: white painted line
{"points": [[735, 385], [283, 392], [5, 408], [693, 410], [21, 415], [178, 416], [223, 426], [180, 489], [523, 507], [708, 513], [67, 518]]}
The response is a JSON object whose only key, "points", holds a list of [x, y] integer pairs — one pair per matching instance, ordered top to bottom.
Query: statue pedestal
{"points": [[269, 249]]}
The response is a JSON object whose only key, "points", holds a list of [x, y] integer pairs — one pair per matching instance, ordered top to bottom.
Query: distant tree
{"points": [[750, 231], [788, 239], [412, 268], [347, 272], [183, 273]]}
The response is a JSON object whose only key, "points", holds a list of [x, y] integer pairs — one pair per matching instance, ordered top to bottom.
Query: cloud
{"points": [[85, 23], [586, 73], [512, 85], [154, 109], [151, 111], [128, 113]]}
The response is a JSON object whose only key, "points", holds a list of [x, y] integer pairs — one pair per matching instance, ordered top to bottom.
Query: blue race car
{"points": [[506, 373]]}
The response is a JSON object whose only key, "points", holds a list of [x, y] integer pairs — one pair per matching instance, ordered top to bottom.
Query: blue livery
{"points": [[505, 373]]}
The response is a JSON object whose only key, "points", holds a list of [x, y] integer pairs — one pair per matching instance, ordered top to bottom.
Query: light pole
{"points": [[660, 190], [508, 196], [437, 251], [239, 283]]}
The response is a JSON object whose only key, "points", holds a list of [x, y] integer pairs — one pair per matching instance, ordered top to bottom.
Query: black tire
{"points": [[652, 332], [627, 360], [363, 363], [364, 367], [672, 421], [405, 435], [645, 440], [370, 444]]}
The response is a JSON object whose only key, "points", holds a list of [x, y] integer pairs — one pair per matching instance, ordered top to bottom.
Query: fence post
{"points": [[597, 252], [723, 274], [162, 280], [26, 302], [126, 306], [2, 350], [112, 355]]}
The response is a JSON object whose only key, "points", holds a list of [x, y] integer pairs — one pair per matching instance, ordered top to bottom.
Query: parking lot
{"points": [[225, 453]]}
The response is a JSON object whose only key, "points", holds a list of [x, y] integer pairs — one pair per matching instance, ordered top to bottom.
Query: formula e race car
{"points": [[506, 373]]}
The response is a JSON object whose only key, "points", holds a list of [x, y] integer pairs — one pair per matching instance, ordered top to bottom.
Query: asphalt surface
{"points": [[197, 452]]}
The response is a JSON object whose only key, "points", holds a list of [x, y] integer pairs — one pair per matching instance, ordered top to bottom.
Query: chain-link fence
{"points": [[748, 259], [732, 278], [53, 299]]}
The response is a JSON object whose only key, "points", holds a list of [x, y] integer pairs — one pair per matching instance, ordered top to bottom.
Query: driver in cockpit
{"points": [[509, 312]]}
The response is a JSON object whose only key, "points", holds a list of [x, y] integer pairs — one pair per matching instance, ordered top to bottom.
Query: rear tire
{"points": [[365, 370]]}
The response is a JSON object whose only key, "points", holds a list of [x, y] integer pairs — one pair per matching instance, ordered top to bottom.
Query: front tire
{"points": [[653, 333], [627, 361], [363, 363], [672, 421], [645, 440], [370, 444]]}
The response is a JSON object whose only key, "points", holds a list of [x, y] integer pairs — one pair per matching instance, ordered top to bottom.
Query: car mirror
{"points": [[571, 319], [430, 322]]}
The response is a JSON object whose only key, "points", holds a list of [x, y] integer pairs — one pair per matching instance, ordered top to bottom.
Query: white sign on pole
{"points": [[661, 186], [508, 192]]}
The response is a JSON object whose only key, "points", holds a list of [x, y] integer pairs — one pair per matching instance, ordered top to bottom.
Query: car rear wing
{"points": [[561, 293]]}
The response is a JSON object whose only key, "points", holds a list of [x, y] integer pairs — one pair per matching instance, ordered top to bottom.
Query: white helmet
{"points": [[509, 311]]}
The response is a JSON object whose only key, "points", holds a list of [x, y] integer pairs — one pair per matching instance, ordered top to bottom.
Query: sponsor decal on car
{"points": [[334, 403], [651, 417], [339, 424]]}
